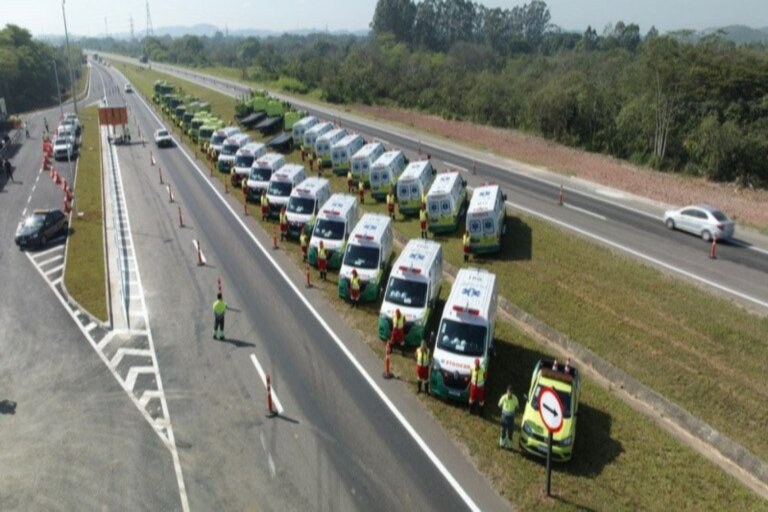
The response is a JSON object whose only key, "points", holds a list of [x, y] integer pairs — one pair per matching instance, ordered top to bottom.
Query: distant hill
{"points": [[739, 34]]}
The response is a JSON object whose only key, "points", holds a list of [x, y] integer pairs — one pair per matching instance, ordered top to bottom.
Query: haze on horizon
{"points": [[86, 17]]}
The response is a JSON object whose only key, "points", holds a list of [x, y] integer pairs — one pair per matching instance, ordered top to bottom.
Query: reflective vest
{"points": [[349, 176], [361, 185], [423, 198], [390, 199], [264, 200], [423, 215], [283, 217], [465, 239], [303, 241], [321, 254], [354, 283], [219, 307], [398, 322], [422, 357], [478, 377], [508, 403]]}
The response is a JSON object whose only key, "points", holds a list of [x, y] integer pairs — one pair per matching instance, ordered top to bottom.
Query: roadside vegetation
{"points": [[85, 274], [644, 322]]}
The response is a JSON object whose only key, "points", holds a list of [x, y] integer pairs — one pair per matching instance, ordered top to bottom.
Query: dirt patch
{"points": [[742, 204]]}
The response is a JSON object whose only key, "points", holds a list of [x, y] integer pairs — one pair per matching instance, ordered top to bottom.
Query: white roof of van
{"points": [[304, 121], [319, 128], [228, 131], [332, 134], [237, 138], [349, 139], [251, 148], [367, 150], [386, 158], [268, 160], [414, 169], [287, 172], [443, 183], [310, 186], [483, 199], [337, 206], [371, 226], [417, 257], [471, 294]]}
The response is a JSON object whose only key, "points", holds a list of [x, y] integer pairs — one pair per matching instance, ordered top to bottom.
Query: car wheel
{"points": [[670, 223], [706, 235]]}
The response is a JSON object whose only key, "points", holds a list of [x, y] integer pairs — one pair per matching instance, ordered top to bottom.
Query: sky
{"points": [[87, 17]]}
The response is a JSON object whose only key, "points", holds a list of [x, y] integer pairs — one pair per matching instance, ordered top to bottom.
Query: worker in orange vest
{"points": [[350, 182], [361, 190], [391, 204], [264, 205], [423, 223], [283, 224], [304, 242], [465, 242], [322, 261], [354, 288], [398, 328], [422, 367], [477, 387]]}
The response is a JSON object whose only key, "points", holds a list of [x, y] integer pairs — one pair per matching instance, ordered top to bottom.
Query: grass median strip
{"points": [[84, 275], [621, 458]]}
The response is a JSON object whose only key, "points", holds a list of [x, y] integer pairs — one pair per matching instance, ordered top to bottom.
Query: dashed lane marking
{"points": [[263, 377]]}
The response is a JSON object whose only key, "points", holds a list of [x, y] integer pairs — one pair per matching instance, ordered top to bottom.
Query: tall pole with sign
{"points": [[73, 85], [551, 412]]}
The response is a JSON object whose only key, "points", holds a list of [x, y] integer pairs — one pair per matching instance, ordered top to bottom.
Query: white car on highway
{"points": [[163, 138], [701, 220]]}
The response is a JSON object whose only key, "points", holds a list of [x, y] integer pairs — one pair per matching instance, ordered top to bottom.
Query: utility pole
{"points": [[150, 31], [132, 36], [69, 59]]}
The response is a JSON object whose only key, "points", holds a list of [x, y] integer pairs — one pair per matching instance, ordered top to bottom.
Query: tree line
{"points": [[27, 79], [694, 107]]}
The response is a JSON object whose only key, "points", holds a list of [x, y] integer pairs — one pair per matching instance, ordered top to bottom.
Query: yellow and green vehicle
{"points": [[206, 131], [446, 202], [486, 219], [333, 224], [369, 253], [534, 436]]}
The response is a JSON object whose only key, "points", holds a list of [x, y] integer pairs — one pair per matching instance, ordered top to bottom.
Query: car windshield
{"points": [[162, 133], [217, 139], [60, 142], [229, 149], [243, 160], [261, 174], [280, 188], [304, 205], [720, 216], [34, 221], [329, 229], [362, 257], [406, 293], [461, 338], [565, 397]]}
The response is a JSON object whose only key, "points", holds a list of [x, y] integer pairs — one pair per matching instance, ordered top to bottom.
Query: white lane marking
{"points": [[37, 179], [29, 199], [582, 210], [24, 212], [745, 245], [47, 251], [640, 255], [51, 260], [53, 270], [56, 282], [91, 326], [123, 351], [352, 359], [133, 374], [263, 377], [147, 396], [270, 461]]}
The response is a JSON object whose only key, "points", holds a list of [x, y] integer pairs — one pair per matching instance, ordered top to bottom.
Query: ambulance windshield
{"points": [[329, 229], [360, 256], [406, 293], [461, 338]]}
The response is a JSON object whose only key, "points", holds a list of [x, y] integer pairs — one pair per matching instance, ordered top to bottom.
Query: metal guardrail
{"points": [[118, 220]]}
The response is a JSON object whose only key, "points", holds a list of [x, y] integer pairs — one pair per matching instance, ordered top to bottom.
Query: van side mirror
{"points": [[434, 171], [463, 183], [504, 196]]}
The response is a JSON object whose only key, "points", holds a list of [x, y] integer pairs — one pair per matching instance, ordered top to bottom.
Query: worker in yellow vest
{"points": [[350, 182], [361, 190], [424, 200], [391, 204], [264, 205], [423, 223], [283, 224], [465, 240], [304, 242], [322, 261], [354, 288], [219, 309], [398, 329], [422, 367], [477, 387], [508, 404]]}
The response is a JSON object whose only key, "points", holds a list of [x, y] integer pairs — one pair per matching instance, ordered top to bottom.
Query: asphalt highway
{"points": [[740, 271], [346, 440]]}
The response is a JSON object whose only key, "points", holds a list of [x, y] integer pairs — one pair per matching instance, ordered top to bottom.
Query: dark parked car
{"points": [[40, 227]]}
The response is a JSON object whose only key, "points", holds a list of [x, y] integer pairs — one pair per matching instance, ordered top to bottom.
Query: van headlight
{"points": [[436, 365], [527, 428], [567, 441]]}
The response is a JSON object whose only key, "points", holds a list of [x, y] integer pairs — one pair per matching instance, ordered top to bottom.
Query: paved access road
{"points": [[740, 271], [70, 438], [347, 440]]}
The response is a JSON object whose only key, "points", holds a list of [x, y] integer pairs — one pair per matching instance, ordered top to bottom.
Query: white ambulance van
{"points": [[300, 127], [311, 135], [219, 136], [325, 142], [342, 152], [244, 159], [363, 160], [261, 173], [384, 173], [281, 184], [411, 184], [446, 201], [304, 203], [486, 219], [335, 220], [369, 252], [413, 288], [465, 333]]}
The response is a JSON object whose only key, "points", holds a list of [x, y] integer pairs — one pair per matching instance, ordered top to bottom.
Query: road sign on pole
{"points": [[551, 412]]}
